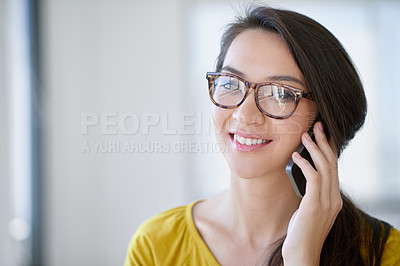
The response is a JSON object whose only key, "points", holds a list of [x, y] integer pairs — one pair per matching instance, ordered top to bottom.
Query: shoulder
{"points": [[166, 221], [156, 237], [379, 238], [391, 253]]}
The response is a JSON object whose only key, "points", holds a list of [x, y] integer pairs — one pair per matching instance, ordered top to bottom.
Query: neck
{"points": [[260, 209]]}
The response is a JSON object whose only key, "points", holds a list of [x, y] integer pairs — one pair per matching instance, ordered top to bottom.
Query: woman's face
{"points": [[261, 56]]}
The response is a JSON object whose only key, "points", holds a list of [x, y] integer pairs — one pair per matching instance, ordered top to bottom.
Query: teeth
{"points": [[248, 141]]}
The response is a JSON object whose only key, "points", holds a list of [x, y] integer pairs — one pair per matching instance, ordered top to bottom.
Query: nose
{"points": [[247, 113]]}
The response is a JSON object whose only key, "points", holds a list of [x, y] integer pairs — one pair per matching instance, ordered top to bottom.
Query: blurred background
{"points": [[104, 117]]}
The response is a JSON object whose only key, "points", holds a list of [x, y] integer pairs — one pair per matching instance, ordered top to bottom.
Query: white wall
{"points": [[104, 57], [6, 256]]}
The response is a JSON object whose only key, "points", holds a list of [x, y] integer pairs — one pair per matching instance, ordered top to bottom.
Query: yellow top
{"points": [[171, 238]]}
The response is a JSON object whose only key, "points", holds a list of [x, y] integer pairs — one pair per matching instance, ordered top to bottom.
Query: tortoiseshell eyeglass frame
{"points": [[299, 94]]}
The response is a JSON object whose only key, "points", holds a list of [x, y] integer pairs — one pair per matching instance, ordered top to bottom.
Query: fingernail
{"points": [[320, 127], [307, 136], [297, 155]]}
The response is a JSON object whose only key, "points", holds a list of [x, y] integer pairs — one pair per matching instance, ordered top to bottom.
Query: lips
{"points": [[248, 142]]}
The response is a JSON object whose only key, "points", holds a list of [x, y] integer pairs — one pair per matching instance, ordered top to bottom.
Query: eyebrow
{"points": [[269, 78]]}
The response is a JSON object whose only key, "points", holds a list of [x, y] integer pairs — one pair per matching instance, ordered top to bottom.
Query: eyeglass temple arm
{"points": [[306, 95]]}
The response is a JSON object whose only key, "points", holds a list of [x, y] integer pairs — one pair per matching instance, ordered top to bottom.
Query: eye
{"points": [[229, 84], [282, 94]]}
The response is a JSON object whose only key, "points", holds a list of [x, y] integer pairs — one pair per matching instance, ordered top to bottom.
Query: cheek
{"points": [[304, 117], [220, 118], [300, 121], [220, 123], [291, 129]]}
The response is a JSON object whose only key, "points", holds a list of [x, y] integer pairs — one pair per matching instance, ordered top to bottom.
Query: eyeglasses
{"points": [[272, 99]]}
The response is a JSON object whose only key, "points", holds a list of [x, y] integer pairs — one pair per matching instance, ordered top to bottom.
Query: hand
{"points": [[312, 221]]}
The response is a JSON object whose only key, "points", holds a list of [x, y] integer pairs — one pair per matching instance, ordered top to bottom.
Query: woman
{"points": [[279, 76]]}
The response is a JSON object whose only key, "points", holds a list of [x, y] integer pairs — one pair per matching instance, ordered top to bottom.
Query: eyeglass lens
{"points": [[272, 99]]}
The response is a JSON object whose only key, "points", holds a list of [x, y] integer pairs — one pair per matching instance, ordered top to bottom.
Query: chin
{"points": [[251, 169], [248, 175]]}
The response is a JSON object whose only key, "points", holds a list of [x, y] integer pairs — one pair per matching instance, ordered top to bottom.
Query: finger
{"points": [[323, 144], [334, 147], [329, 150], [320, 162], [322, 166], [335, 181], [313, 186]]}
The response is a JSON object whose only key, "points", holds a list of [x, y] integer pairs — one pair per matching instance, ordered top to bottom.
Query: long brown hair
{"points": [[337, 89]]}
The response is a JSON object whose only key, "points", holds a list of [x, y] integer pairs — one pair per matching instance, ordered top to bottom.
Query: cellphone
{"points": [[294, 172]]}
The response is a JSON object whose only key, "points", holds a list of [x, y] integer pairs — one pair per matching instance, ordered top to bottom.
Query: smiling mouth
{"points": [[248, 141]]}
